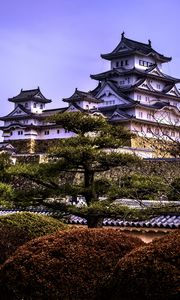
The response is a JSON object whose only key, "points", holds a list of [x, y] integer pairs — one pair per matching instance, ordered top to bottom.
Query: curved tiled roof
{"points": [[133, 47], [144, 73], [26, 95], [82, 96], [170, 221]]}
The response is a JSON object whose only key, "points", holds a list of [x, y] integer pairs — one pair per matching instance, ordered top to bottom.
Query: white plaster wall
{"points": [[144, 58], [130, 60], [154, 84], [111, 100], [87, 105], [31, 107], [53, 134]]}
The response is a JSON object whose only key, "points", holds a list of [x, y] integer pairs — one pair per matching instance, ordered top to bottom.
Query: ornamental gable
{"points": [[122, 47], [156, 72], [146, 85], [173, 92], [107, 93], [72, 108], [18, 112], [118, 116]]}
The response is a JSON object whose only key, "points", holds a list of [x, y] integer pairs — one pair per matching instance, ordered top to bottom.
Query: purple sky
{"points": [[56, 44]]}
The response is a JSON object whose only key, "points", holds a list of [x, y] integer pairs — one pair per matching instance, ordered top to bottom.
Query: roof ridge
{"points": [[134, 41]]}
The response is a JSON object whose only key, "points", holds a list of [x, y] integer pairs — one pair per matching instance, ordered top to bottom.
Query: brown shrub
{"points": [[18, 228], [67, 265], [151, 272]]}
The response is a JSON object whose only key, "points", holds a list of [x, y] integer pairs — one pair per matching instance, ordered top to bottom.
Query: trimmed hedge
{"points": [[18, 228], [67, 265], [151, 272]]}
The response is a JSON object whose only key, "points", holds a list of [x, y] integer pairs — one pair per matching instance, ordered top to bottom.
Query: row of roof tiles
{"points": [[163, 221]]}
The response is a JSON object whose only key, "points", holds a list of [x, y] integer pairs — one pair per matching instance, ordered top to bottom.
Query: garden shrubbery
{"points": [[142, 187], [174, 193], [18, 228], [67, 265], [151, 272]]}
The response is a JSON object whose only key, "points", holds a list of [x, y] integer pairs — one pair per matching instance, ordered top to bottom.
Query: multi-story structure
{"points": [[134, 92]]}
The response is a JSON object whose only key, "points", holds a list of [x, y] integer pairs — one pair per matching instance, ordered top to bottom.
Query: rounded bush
{"points": [[18, 228], [67, 265], [150, 272]]}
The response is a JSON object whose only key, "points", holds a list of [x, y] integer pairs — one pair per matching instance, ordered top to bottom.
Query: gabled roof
{"points": [[127, 47], [155, 71], [151, 72], [107, 74], [96, 90], [116, 90], [30, 95], [81, 96], [76, 106], [120, 109], [12, 115], [4, 146]]}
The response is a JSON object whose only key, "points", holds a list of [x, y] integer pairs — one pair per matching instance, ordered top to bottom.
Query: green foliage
{"points": [[77, 122], [92, 149], [5, 162], [141, 187], [6, 192], [174, 193], [113, 210], [18, 228], [65, 265], [150, 272]]}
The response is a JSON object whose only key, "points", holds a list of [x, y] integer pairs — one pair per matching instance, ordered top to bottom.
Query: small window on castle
{"points": [[126, 62], [122, 63], [117, 64], [121, 82], [158, 86], [138, 97], [147, 99], [26, 104], [34, 105], [41, 106], [140, 114], [149, 116], [142, 129], [148, 129], [58, 131], [156, 131], [20, 132], [46, 132], [166, 132], [11, 133], [172, 133]]}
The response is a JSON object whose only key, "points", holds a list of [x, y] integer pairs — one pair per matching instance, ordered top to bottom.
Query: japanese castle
{"points": [[134, 92]]}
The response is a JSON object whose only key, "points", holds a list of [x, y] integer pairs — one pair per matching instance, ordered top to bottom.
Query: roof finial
{"points": [[122, 35], [149, 41]]}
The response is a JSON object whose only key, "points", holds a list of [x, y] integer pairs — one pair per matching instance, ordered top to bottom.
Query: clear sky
{"points": [[56, 44]]}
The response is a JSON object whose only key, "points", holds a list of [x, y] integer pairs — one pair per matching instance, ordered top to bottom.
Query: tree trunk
{"points": [[89, 186], [94, 221]]}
